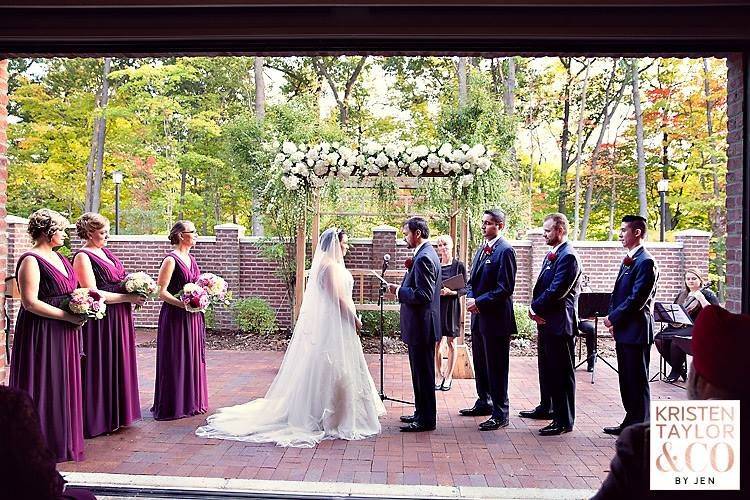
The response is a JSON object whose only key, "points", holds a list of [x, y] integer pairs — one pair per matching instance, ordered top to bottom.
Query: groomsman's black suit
{"points": [[491, 284], [419, 295], [554, 299], [630, 312]]}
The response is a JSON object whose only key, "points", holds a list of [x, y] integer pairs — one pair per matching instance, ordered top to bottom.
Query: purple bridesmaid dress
{"points": [[46, 363], [109, 370], [181, 389]]}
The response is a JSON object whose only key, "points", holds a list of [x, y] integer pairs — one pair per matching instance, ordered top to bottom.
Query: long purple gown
{"points": [[46, 363], [109, 370], [181, 389]]}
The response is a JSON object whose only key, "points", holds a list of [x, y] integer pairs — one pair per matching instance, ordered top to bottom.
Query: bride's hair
{"points": [[327, 238]]}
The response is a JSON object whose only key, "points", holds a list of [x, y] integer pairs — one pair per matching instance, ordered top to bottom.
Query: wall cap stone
{"points": [[13, 219], [385, 228], [240, 229], [535, 230], [693, 233], [617, 244]]}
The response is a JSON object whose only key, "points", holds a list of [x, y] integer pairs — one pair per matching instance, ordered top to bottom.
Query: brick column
{"points": [[736, 94], [3, 213], [695, 245], [539, 250], [226, 259]]}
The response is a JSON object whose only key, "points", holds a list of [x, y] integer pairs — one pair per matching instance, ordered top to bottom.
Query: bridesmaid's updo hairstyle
{"points": [[90, 222], [44, 223], [174, 233], [327, 239]]}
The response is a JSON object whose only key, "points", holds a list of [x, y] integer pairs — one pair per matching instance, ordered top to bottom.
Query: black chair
{"points": [[11, 292]]}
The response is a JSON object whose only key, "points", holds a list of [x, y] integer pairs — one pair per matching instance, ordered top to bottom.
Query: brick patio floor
{"points": [[456, 454]]}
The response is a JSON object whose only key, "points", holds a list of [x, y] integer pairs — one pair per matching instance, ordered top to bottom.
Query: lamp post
{"points": [[117, 179], [663, 186]]}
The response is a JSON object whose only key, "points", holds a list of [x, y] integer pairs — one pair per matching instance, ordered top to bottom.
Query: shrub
{"points": [[254, 315], [371, 323], [526, 327]]}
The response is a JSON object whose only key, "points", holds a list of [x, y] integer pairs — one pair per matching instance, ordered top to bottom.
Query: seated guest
{"points": [[694, 297], [719, 371], [27, 466]]}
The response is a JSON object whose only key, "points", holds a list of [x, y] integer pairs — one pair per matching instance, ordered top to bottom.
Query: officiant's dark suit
{"points": [[491, 284], [419, 295], [554, 298], [632, 322]]}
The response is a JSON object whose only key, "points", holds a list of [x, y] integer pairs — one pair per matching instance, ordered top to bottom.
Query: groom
{"points": [[419, 295]]}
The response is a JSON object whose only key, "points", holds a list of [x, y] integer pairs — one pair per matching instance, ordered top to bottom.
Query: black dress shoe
{"points": [[590, 367], [446, 385], [476, 411], [536, 413], [407, 419], [493, 423], [550, 426], [416, 427], [554, 430], [615, 431]]}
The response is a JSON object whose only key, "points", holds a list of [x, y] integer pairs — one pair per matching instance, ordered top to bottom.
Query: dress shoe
{"points": [[446, 385], [439, 387], [475, 411], [536, 413], [407, 419], [493, 423], [549, 426], [416, 427], [554, 430], [615, 431]]}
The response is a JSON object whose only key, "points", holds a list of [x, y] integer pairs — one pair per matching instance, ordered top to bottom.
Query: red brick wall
{"points": [[735, 133], [3, 199], [238, 259]]}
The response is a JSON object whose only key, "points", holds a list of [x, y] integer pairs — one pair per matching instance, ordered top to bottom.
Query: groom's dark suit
{"points": [[491, 284], [419, 295]]}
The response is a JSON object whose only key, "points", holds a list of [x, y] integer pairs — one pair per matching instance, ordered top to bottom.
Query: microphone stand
{"points": [[381, 303]]}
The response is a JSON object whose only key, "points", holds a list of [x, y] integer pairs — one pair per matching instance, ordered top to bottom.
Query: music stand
{"points": [[383, 286], [594, 305], [667, 313]]}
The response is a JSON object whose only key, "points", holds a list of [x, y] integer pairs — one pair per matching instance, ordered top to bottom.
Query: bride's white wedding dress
{"points": [[323, 389]]}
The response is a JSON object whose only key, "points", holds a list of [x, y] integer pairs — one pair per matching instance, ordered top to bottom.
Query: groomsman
{"points": [[419, 295], [489, 299], [553, 309], [631, 322]]}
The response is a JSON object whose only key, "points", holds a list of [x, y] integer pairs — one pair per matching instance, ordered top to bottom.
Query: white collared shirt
{"points": [[493, 241], [633, 251]]}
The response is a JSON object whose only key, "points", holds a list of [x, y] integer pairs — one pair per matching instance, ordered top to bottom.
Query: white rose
{"points": [[289, 148], [445, 149], [421, 150], [415, 169]]}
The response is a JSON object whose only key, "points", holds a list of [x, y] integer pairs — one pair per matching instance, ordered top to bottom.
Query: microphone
{"points": [[386, 260]]}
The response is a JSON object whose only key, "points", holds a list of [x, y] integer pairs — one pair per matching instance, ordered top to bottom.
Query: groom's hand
{"points": [[392, 288], [471, 305]]}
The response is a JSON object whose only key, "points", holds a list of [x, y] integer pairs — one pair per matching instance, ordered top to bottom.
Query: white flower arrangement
{"points": [[305, 166]]}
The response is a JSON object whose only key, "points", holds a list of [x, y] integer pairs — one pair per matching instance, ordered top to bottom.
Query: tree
{"points": [[335, 70], [641, 157], [94, 170]]}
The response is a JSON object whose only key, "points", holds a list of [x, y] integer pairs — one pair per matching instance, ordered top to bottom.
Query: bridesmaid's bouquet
{"points": [[141, 284], [216, 287], [194, 297], [87, 302]]}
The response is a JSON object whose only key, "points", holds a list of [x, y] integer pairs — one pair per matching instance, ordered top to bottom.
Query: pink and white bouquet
{"points": [[141, 284], [216, 287], [194, 297], [87, 302]]}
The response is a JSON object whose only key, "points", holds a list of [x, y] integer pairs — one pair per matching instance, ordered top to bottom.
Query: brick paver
{"points": [[456, 454]]}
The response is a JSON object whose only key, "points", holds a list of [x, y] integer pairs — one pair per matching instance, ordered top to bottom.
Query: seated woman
{"points": [[694, 297]]}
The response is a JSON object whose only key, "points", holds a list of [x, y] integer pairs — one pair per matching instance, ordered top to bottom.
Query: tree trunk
{"points": [[260, 89], [463, 92], [341, 101], [509, 105], [260, 114], [608, 114], [579, 153], [641, 156], [564, 165], [94, 167], [183, 185]]}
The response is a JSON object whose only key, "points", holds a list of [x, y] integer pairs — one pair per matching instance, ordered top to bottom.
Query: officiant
{"points": [[453, 272]]}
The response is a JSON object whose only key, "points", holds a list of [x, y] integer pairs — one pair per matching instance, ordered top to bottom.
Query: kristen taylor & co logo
{"points": [[695, 445]]}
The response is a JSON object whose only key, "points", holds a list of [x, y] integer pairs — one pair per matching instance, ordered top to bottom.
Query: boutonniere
{"points": [[487, 251], [552, 257], [628, 261], [408, 263]]}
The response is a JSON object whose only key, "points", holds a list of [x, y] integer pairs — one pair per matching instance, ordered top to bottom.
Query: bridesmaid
{"points": [[46, 359], [109, 371], [181, 388]]}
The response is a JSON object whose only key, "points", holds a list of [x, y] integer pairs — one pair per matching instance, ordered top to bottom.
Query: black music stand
{"points": [[594, 305], [668, 313]]}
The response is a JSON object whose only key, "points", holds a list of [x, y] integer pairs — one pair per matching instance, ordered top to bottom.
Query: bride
{"points": [[323, 389]]}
